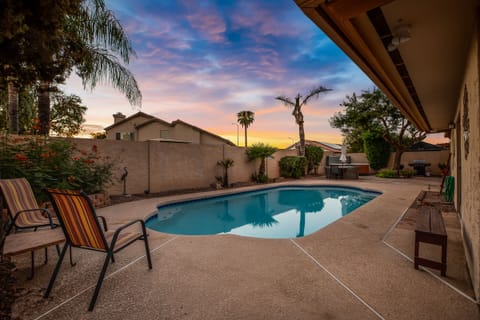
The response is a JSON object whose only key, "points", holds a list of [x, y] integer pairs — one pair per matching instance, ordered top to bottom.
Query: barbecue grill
{"points": [[419, 166]]}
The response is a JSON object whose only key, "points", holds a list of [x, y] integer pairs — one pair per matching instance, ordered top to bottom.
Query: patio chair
{"points": [[24, 211], [82, 230]]}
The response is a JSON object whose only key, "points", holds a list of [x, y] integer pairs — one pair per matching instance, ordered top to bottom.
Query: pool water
{"points": [[282, 212]]}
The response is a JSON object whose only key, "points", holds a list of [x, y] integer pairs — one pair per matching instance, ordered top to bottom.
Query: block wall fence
{"points": [[156, 166]]}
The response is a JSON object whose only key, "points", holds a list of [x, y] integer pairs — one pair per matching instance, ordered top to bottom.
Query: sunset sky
{"points": [[204, 61]]}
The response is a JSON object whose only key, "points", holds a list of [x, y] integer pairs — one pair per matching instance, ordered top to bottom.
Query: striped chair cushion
{"points": [[19, 196], [79, 221]]}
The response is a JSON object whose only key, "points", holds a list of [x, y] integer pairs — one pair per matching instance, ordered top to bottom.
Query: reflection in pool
{"points": [[281, 212]]}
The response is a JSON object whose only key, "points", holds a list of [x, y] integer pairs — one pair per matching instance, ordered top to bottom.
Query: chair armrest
{"points": [[44, 210], [104, 222], [120, 229]]}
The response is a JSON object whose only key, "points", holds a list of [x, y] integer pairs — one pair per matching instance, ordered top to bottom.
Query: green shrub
{"points": [[376, 149], [314, 156], [47, 163], [292, 166], [387, 173], [392, 173], [259, 178]]}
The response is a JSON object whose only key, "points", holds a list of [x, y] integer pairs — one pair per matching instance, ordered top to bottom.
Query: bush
{"points": [[376, 149], [314, 156], [55, 163], [292, 166], [392, 173], [259, 178]]}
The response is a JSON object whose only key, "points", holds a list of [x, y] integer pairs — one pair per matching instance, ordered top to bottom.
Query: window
{"points": [[164, 134], [127, 136]]}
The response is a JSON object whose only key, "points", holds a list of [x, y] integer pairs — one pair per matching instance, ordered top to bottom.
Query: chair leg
{"points": [[147, 249], [46, 256], [71, 258], [32, 266], [55, 272], [100, 281]]}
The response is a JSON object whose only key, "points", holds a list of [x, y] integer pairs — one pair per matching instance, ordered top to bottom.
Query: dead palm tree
{"points": [[297, 105], [245, 118]]}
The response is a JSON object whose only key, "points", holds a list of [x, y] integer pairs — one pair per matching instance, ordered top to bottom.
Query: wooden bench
{"points": [[430, 228], [22, 242]]}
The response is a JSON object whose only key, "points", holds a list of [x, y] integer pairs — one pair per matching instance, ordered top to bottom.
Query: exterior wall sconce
{"points": [[400, 34], [451, 126]]}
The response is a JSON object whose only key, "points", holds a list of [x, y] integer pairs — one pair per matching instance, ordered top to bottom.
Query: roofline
{"points": [[335, 19], [140, 113], [174, 123]]}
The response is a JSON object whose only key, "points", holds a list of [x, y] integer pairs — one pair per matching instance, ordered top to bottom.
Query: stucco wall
{"points": [[152, 131], [183, 132], [432, 157], [161, 166], [467, 173]]}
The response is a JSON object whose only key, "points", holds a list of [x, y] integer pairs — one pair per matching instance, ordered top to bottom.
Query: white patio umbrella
{"points": [[343, 156]]}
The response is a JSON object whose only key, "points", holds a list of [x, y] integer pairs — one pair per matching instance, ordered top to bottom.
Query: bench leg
{"points": [[416, 253], [444, 258], [32, 267]]}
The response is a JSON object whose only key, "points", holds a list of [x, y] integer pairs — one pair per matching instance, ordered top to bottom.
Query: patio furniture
{"points": [[420, 167], [22, 206], [24, 212], [430, 228], [82, 230], [18, 243]]}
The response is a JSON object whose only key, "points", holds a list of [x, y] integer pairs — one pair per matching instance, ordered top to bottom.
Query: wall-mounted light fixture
{"points": [[400, 34], [451, 126]]}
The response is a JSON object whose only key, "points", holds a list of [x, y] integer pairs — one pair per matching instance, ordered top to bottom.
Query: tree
{"points": [[30, 36], [44, 41], [96, 45], [297, 105], [373, 111], [67, 115], [245, 118], [99, 135], [376, 149], [260, 151], [314, 156], [225, 164]]}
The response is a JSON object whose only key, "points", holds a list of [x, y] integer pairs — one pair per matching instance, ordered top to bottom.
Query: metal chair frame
{"points": [[110, 248]]}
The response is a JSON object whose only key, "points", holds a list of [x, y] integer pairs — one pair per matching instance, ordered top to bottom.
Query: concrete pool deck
{"points": [[356, 268]]}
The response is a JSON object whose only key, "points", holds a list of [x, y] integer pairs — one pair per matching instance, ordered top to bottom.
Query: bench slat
{"points": [[423, 220], [436, 222], [17, 243]]}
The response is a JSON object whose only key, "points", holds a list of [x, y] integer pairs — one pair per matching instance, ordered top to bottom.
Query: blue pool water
{"points": [[282, 212]]}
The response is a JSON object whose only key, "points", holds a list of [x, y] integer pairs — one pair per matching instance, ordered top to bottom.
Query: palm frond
{"points": [[99, 26], [102, 67], [314, 93], [286, 101]]}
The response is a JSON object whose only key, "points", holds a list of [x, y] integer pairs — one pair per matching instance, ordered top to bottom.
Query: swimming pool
{"points": [[279, 212]]}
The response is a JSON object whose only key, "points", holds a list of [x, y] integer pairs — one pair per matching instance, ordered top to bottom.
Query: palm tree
{"points": [[96, 44], [297, 111], [245, 118], [260, 151]]}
